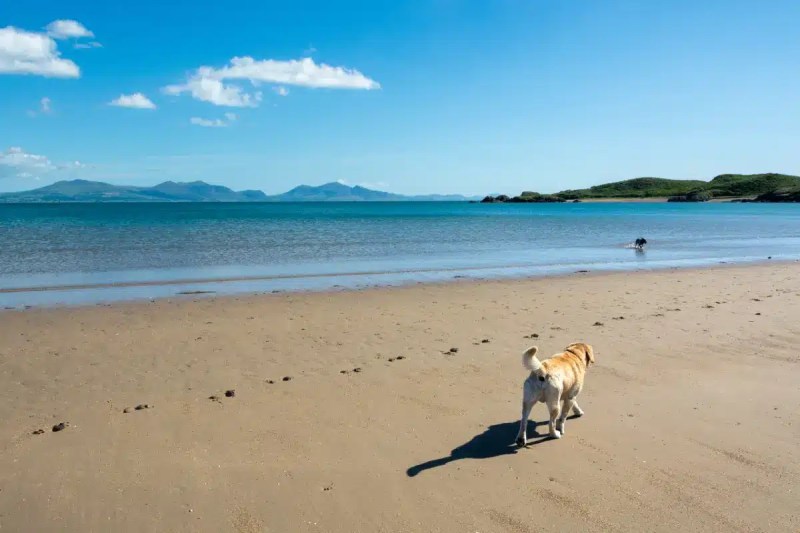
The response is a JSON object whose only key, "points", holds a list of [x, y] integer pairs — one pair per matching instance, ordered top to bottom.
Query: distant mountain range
{"points": [[198, 191]]}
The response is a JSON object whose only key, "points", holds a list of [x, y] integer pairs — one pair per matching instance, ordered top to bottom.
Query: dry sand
{"points": [[693, 410]]}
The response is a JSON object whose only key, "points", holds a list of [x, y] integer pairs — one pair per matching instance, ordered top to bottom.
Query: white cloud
{"points": [[67, 29], [25, 52], [208, 84], [206, 88], [281, 90], [135, 100], [44, 105], [214, 123], [16, 162]]}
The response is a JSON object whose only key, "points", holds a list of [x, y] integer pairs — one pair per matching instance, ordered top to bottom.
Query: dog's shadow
{"points": [[497, 440]]}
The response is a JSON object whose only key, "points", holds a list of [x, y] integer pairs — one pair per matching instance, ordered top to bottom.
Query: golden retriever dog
{"points": [[556, 381]]}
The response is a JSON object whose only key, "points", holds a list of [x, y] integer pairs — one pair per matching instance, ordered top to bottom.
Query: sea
{"points": [[67, 254]]}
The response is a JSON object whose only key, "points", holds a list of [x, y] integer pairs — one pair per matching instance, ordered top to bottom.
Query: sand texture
{"points": [[692, 411]]}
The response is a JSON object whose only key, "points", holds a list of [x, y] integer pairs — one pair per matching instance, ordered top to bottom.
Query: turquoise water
{"points": [[157, 250]]}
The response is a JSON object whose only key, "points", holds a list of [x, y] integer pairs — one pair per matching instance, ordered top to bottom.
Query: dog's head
{"points": [[582, 350]]}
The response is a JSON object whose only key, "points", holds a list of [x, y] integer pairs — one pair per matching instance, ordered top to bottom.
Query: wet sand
{"points": [[692, 412]]}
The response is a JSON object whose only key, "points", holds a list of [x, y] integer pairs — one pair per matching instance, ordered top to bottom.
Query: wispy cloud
{"points": [[90, 44], [212, 85], [281, 90], [135, 100], [44, 105], [214, 123], [16, 162]]}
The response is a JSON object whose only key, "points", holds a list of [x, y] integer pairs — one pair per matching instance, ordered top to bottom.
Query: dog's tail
{"points": [[530, 361]]}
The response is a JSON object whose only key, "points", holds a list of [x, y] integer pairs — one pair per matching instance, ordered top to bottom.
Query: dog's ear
{"points": [[589, 354]]}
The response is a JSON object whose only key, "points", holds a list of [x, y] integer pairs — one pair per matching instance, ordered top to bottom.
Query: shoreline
{"points": [[219, 283], [353, 411]]}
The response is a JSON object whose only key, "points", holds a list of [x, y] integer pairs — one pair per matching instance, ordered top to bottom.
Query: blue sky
{"points": [[429, 96]]}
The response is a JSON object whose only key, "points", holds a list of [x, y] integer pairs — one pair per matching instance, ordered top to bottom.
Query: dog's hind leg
{"points": [[529, 399], [554, 406], [576, 410], [561, 424], [522, 436]]}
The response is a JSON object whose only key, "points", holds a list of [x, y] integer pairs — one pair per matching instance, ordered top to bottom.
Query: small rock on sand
{"points": [[598, 323], [485, 341], [453, 350], [400, 357], [357, 369], [287, 378], [271, 382], [230, 393], [214, 398], [143, 406], [126, 410], [60, 426], [38, 432]]}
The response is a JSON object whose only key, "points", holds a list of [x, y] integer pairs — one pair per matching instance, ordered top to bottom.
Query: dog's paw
{"points": [[578, 412], [555, 434], [521, 442]]}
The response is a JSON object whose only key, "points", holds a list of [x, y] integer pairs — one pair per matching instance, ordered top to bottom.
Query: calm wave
{"points": [[97, 252]]}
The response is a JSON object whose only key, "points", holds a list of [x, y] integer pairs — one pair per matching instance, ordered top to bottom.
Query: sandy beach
{"points": [[351, 411]]}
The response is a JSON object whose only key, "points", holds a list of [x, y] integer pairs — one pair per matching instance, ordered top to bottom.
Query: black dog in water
{"points": [[640, 242]]}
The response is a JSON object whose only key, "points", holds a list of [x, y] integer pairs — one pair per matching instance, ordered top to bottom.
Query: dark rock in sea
{"points": [[694, 196], [780, 196], [576, 201], [230, 393], [60, 427]]}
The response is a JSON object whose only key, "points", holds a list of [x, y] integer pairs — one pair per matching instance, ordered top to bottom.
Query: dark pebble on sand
{"points": [[758, 314], [598, 323], [534, 335], [485, 341], [453, 350], [399, 357], [391, 359], [358, 369], [343, 371], [287, 378], [230, 393], [214, 398], [142, 406], [126, 410], [59, 427], [38, 432]]}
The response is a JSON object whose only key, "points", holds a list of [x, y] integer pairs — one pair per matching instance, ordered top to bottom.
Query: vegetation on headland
{"points": [[762, 187]]}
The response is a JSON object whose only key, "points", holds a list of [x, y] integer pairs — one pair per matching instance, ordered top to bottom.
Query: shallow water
{"points": [[158, 250]]}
